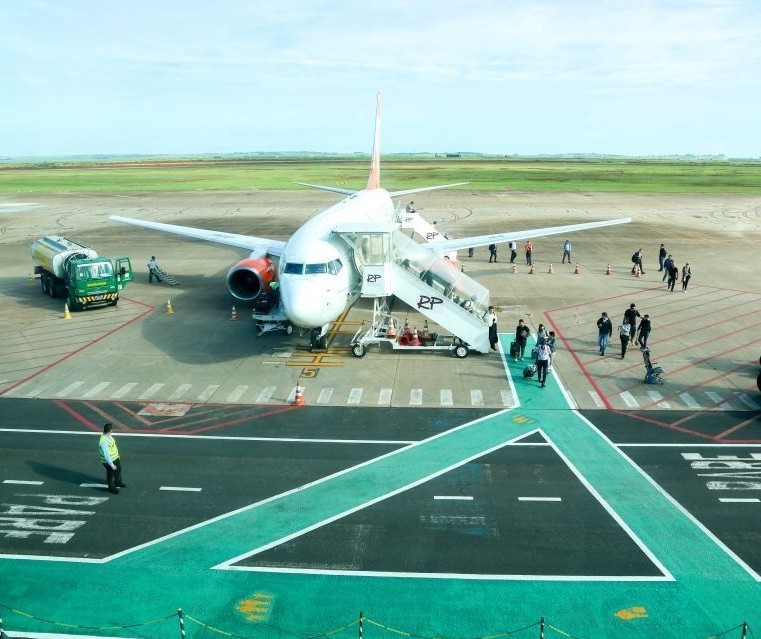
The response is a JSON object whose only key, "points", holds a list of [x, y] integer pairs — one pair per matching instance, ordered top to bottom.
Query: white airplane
{"points": [[317, 274]]}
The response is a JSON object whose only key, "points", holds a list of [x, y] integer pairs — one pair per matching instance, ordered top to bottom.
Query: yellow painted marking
{"points": [[522, 419], [257, 607], [635, 612]]}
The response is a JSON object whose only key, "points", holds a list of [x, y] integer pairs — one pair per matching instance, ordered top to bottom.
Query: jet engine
{"points": [[251, 277]]}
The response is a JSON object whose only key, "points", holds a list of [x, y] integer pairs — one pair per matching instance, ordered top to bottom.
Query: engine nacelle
{"points": [[250, 278]]}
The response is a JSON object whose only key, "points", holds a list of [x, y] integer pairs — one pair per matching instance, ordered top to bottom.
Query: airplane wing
{"points": [[332, 189], [421, 189], [497, 238], [249, 242]]}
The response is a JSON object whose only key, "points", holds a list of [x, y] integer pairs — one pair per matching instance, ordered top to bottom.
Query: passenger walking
{"points": [[529, 249], [470, 251], [513, 251], [566, 251], [492, 253], [661, 257], [637, 258], [666, 266], [153, 270], [686, 275], [673, 276], [630, 316], [491, 322], [604, 331], [644, 331], [541, 333], [624, 333], [521, 337], [551, 343], [543, 354], [109, 457]]}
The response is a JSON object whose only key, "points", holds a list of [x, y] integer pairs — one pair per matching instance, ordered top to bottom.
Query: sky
{"points": [[528, 77]]}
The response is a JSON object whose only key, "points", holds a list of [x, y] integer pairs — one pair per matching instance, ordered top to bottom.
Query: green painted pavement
{"points": [[710, 591]]}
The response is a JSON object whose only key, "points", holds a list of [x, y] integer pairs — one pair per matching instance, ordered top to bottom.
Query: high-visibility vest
{"points": [[112, 449]]}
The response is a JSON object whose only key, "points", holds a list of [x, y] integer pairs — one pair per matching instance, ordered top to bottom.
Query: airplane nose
{"points": [[307, 304]]}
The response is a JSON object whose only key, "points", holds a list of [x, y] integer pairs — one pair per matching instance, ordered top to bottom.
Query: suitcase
{"points": [[514, 349], [529, 371]]}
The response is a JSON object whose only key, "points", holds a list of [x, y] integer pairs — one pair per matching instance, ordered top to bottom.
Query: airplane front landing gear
{"points": [[318, 339]]}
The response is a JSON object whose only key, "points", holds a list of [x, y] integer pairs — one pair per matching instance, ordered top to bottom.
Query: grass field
{"points": [[656, 176]]}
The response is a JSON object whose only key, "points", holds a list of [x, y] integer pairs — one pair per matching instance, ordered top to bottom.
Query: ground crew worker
{"points": [[153, 270], [109, 457]]}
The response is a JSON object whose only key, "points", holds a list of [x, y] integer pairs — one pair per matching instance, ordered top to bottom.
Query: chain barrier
{"points": [[744, 628]]}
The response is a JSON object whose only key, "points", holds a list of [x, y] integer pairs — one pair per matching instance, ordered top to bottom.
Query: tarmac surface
{"points": [[442, 497]]}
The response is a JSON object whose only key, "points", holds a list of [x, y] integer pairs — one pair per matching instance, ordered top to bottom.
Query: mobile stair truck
{"points": [[75, 272]]}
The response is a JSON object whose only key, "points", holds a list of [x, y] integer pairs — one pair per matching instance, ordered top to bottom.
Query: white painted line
{"points": [[283, 354], [155, 388], [96, 389], [68, 390], [123, 390], [179, 392], [207, 393], [237, 393], [266, 395], [325, 396], [355, 396], [416, 396], [384, 397], [445, 397], [476, 397], [657, 397], [714, 397], [507, 398], [596, 399], [628, 399], [689, 400], [748, 401], [23, 482], [93, 485], [184, 489], [454, 497], [539, 499], [739, 500]]}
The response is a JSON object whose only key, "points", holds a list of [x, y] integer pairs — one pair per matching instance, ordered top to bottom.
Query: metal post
{"points": [[182, 623], [360, 624], [541, 628], [745, 629]]}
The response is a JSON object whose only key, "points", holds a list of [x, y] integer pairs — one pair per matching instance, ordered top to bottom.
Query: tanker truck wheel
{"points": [[45, 284]]}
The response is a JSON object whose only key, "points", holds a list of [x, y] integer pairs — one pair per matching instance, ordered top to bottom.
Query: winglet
{"points": [[373, 181]]}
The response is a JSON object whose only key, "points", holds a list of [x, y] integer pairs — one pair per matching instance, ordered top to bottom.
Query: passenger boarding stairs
{"points": [[426, 230], [391, 263], [166, 277]]}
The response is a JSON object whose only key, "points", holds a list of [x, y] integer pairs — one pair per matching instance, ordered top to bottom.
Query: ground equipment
{"points": [[75, 272], [654, 374]]}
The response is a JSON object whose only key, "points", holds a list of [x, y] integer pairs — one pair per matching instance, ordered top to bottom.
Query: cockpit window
{"points": [[334, 266], [294, 268], [312, 269]]}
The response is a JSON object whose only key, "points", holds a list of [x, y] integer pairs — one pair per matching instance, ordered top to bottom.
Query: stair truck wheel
{"points": [[289, 329], [358, 350], [461, 351]]}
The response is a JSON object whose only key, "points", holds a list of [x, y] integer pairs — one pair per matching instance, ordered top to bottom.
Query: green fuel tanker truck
{"points": [[76, 272]]}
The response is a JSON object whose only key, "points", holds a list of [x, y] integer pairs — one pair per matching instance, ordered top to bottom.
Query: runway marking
{"points": [[283, 354], [96, 389], [68, 390], [123, 390], [151, 391], [179, 392], [208, 392], [237, 393], [266, 395], [325, 395], [291, 396], [355, 396], [416, 396], [384, 397], [445, 397], [656, 397], [714, 397], [476, 398], [596, 399], [628, 399], [689, 400], [749, 402], [24, 482], [93, 485], [185, 489], [454, 497], [539, 499], [739, 500]]}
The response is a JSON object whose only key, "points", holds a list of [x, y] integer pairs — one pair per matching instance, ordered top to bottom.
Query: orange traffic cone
{"points": [[515, 268], [531, 270], [552, 270], [576, 270], [607, 271], [636, 271], [169, 309], [66, 314], [234, 314], [391, 328], [425, 334], [415, 338], [299, 400]]}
